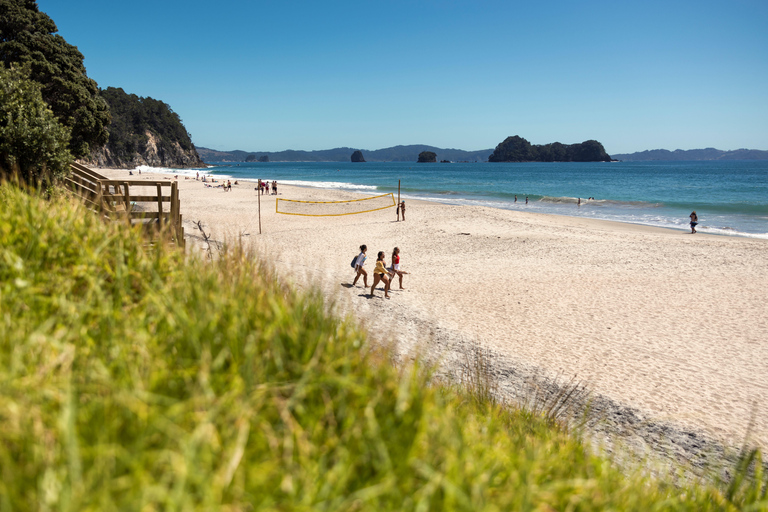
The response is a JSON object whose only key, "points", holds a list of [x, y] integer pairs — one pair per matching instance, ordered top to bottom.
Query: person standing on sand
{"points": [[402, 209], [398, 212], [694, 221], [359, 262], [396, 266], [380, 274]]}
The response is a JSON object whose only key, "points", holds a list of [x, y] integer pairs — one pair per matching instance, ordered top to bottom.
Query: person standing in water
{"points": [[694, 221], [359, 262]]}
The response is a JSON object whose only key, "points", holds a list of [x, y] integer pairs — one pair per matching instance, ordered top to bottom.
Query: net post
{"points": [[258, 195], [398, 201]]}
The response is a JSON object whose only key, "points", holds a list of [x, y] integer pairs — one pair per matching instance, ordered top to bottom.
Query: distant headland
{"points": [[512, 149], [693, 155]]}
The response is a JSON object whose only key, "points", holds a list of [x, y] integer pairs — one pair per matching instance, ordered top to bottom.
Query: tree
{"points": [[28, 36], [33, 144]]}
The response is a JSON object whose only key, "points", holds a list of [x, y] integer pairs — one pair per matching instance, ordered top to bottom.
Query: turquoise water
{"points": [[729, 197]]}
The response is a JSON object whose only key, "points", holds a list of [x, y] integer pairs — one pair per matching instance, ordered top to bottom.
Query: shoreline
{"points": [[499, 205], [665, 329]]}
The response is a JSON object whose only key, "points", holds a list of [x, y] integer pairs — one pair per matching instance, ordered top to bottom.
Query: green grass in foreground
{"points": [[132, 378]]}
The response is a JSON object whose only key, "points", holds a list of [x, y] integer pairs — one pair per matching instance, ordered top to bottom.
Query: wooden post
{"points": [[259, 196], [127, 197], [398, 200], [160, 205], [175, 227]]}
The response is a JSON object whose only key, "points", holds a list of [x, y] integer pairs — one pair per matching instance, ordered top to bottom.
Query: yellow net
{"points": [[333, 208]]}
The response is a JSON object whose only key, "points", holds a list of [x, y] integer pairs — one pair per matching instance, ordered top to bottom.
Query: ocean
{"points": [[730, 197]]}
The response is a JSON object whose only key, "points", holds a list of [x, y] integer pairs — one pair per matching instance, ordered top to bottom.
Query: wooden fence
{"points": [[137, 201]]}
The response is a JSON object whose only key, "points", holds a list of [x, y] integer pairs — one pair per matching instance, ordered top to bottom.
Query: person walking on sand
{"points": [[694, 221], [396, 266], [360, 271], [380, 274]]}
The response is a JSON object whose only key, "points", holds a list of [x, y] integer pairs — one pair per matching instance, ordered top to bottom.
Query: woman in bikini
{"points": [[694, 221], [396, 266], [380, 274]]}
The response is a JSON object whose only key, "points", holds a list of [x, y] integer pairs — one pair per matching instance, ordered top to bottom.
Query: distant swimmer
{"points": [[515, 197], [579, 203], [694, 221]]}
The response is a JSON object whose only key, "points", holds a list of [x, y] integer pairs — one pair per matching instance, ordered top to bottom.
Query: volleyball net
{"points": [[334, 208]]}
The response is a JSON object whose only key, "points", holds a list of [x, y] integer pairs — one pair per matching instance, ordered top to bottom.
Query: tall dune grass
{"points": [[133, 378]]}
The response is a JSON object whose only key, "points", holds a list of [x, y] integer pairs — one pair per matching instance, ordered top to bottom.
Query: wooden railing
{"points": [[137, 201]]}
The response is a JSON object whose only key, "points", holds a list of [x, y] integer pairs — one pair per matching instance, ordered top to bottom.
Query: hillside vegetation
{"points": [[144, 131], [137, 378]]}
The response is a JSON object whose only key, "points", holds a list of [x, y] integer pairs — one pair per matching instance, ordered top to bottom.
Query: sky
{"points": [[309, 75]]}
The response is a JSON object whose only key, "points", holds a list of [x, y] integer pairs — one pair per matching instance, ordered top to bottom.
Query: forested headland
{"points": [[52, 112], [144, 131]]}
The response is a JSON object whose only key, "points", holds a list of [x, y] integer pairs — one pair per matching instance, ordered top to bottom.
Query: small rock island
{"points": [[517, 149], [357, 156], [427, 157]]}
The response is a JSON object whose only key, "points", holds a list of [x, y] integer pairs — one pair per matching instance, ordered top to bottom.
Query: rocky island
{"points": [[517, 149], [357, 156], [427, 157]]}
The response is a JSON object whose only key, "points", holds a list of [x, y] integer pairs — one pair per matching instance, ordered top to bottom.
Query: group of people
{"points": [[263, 187], [380, 273]]}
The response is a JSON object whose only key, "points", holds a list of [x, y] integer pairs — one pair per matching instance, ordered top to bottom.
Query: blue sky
{"points": [[463, 74]]}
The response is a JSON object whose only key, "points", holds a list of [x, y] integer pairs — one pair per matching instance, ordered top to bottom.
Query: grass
{"points": [[133, 378]]}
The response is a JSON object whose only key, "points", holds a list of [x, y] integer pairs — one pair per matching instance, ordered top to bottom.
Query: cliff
{"points": [[144, 131], [517, 149], [152, 153]]}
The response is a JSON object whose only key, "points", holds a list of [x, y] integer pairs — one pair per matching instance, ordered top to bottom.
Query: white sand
{"points": [[670, 323]]}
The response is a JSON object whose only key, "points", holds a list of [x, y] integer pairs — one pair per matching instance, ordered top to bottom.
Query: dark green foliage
{"points": [[28, 36], [133, 117], [33, 145], [517, 149], [427, 157]]}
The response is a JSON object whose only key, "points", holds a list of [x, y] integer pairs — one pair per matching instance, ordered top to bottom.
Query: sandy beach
{"points": [[667, 325]]}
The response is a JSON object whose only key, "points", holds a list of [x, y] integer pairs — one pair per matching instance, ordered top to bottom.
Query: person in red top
{"points": [[396, 266]]}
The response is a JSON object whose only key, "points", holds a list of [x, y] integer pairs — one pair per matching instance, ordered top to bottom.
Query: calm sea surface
{"points": [[730, 198]]}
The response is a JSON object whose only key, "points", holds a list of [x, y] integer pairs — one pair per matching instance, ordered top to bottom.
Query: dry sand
{"points": [[667, 328]]}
